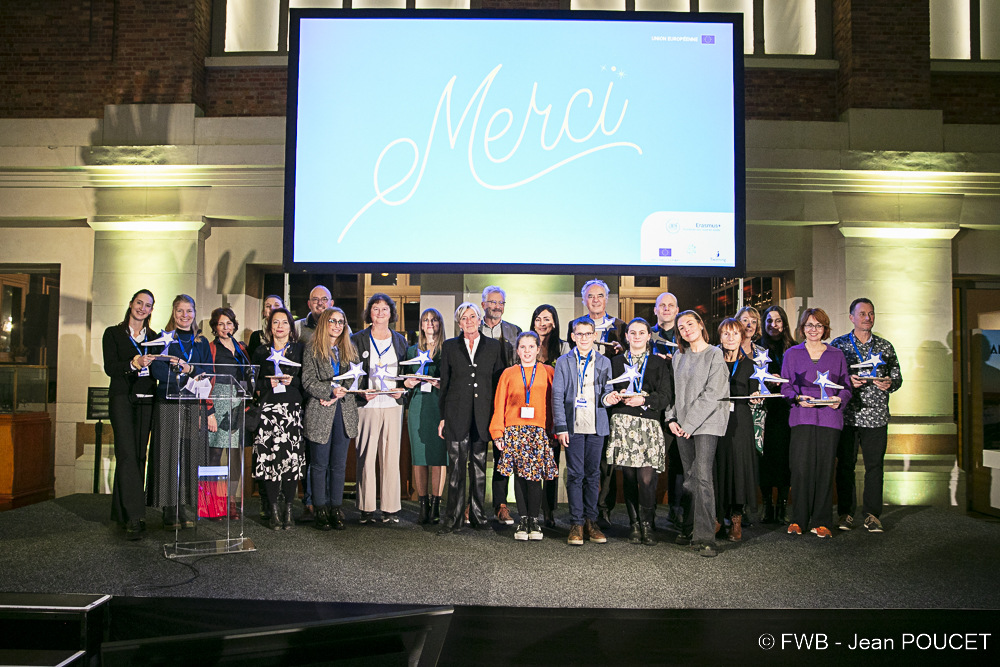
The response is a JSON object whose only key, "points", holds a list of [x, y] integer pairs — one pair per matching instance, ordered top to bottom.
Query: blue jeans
{"points": [[328, 465], [583, 476]]}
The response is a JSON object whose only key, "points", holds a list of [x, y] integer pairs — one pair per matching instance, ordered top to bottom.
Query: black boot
{"points": [[435, 509], [768, 512], [780, 513], [424, 514], [274, 517], [322, 518], [337, 518], [170, 521], [287, 521], [646, 527], [634, 533]]}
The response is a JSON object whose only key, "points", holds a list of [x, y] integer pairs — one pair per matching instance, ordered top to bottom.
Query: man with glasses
{"points": [[319, 300], [494, 326], [611, 330], [866, 417]]}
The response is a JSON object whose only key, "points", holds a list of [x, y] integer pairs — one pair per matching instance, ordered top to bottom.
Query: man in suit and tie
{"points": [[471, 365]]}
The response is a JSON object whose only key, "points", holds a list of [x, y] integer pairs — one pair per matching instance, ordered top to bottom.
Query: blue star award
{"points": [[165, 339], [421, 360], [868, 369], [355, 374], [630, 375], [823, 380]]}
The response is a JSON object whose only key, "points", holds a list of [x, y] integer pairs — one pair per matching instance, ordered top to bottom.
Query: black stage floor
{"points": [[927, 558], [932, 570]]}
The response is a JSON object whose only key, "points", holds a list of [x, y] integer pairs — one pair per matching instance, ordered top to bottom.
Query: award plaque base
{"points": [[417, 376], [380, 392], [629, 394], [741, 398], [823, 401]]}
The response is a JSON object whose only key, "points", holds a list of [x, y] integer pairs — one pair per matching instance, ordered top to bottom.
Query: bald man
{"points": [[319, 300], [666, 313]]}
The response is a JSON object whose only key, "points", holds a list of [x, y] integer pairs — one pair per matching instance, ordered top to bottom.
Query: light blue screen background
{"points": [[364, 83]]}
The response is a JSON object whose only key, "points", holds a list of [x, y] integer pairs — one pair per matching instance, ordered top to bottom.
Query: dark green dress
{"points": [[426, 448]]}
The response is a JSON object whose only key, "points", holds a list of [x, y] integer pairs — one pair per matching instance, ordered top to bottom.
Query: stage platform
{"points": [[927, 558]]}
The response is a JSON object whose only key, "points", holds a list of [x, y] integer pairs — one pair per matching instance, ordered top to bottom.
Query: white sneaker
{"points": [[535, 531], [521, 532]]}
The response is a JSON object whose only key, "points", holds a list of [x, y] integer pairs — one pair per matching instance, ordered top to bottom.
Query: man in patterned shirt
{"points": [[866, 418]]}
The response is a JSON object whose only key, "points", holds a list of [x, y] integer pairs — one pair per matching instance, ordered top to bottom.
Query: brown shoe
{"points": [[466, 514], [503, 515], [736, 530], [593, 533], [575, 536]]}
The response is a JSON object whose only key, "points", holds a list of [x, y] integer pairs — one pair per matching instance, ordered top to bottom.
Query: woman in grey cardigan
{"points": [[331, 414], [698, 418]]}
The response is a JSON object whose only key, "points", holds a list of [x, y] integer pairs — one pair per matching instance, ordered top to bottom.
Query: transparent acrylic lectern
{"points": [[209, 439]]}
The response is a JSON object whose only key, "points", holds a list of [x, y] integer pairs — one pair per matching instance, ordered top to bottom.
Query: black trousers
{"points": [[131, 424], [873, 443], [811, 452], [468, 454], [675, 471], [500, 483], [551, 496], [608, 496]]}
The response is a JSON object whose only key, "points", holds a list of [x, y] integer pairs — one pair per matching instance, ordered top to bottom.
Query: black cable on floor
{"points": [[136, 590]]}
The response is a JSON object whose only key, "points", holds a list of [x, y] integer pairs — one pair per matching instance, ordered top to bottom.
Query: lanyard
{"points": [[606, 328], [135, 345], [375, 347], [856, 350], [185, 353], [741, 355], [335, 358], [642, 371], [583, 375], [527, 386]]}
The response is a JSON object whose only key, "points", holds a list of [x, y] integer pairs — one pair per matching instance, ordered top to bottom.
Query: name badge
{"points": [[144, 372], [426, 387], [280, 389], [581, 402], [732, 406], [527, 412]]}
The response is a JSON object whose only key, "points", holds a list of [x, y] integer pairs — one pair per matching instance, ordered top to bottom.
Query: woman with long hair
{"points": [[545, 324], [130, 405], [331, 414], [698, 417], [521, 424], [815, 428], [179, 443], [278, 443], [636, 444], [428, 450], [735, 455], [775, 474]]}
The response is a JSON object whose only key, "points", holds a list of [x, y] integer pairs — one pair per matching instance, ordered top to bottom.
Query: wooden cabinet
{"points": [[26, 459]]}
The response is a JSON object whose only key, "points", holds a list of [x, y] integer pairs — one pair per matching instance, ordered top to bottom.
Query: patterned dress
{"points": [[636, 442], [279, 445], [526, 452]]}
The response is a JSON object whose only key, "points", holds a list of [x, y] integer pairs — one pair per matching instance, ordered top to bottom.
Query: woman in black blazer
{"points": [[130, 406]]}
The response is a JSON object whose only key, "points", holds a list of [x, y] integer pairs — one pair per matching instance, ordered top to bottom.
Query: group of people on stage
{"points": [[640, 398]]}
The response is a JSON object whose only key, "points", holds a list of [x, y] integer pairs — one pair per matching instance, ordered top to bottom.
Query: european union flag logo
{"points": [[708, 39]]}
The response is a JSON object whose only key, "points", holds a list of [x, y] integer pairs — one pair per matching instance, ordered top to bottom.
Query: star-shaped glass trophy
{"points": [[165, 339], [278, 357], [422, 359], [869, 367], [355, 374], [630, 375], [380, 376], [823, 380]]}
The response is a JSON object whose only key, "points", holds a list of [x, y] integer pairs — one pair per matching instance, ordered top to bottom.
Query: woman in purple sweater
{"points": [[815, 429]]}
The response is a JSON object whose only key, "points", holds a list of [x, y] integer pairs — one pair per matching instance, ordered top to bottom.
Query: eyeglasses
{"points": [[320, 300], [496, 303], [337, 323], [813, 326], [589, 334]]}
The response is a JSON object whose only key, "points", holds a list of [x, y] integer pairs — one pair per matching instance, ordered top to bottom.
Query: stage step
{"points": [[52, 629]]}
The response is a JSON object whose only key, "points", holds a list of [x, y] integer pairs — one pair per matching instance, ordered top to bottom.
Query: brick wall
{"points": [[884, 51], [69, 58], [246, 91], [790, 94], [967, 98]]}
